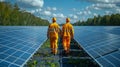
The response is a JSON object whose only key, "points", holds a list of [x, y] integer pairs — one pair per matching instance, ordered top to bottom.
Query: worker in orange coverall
{"points": [[52, 34], [67, 35]]}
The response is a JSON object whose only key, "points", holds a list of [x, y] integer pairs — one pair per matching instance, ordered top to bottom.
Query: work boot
{"points": [[51, 52], [67, 53], [54, 54]]}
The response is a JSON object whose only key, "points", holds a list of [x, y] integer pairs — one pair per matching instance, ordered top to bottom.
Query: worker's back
{"points": [[67, 29], [53, 30], [52, 34]]}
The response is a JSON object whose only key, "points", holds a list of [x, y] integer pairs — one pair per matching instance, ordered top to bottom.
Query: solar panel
{"points": [[19, 43], [102, 43]]}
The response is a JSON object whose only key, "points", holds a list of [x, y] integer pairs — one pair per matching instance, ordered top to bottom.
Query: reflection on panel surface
{"points": [[19, 43], [102, 43]]}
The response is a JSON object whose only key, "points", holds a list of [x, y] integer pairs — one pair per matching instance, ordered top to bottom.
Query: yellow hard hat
{"points": [[54, 19], [67, 19]]}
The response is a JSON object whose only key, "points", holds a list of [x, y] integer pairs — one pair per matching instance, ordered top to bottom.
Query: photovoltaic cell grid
{"points": [[101, 43], [18, 44]]}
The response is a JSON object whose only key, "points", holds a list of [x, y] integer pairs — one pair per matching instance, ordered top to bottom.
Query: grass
{"points": [[43, 57], [32, 63]]}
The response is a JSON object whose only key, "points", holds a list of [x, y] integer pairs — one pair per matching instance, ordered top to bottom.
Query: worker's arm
{"points": [[72, 32]]}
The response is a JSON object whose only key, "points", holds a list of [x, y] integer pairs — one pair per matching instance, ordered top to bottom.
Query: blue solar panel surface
{"points": [[102, 43], [18, 44]]}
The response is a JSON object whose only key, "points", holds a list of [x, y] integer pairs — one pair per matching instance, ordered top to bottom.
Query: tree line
{"points": [[12, 15], [106, 20]]}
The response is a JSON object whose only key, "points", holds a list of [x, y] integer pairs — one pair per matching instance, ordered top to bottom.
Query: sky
{"points": [[74, 9]]}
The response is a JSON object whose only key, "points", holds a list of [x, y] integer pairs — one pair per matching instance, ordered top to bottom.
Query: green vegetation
{"points": [[12, 15], [106, 20], [44, 50], [43, 57], [32, 63]]}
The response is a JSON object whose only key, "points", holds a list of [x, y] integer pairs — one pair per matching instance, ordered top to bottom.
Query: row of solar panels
{"points": [[101, 43], [18, 44]]}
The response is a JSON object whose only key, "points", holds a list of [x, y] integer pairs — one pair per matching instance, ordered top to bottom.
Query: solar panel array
{"points": [[101, 43], [18, 44]]}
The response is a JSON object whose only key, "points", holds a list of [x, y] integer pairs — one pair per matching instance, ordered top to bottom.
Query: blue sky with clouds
{"points": [[74, 9]]}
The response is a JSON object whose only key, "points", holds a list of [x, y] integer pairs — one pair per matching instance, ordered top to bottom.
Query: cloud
{"points": [[2, 0], [102, 1], [31, 3], [103, 5], [93, 6], [100, 6], [106, 6], [51, 8], [54, 8], [97, 8], [38, 9], [74, 9], [118, 10], [31, 11], [35, 11], [85, 12], [89, 12], [108, 12], [47, 13], [79, 13], [95, 14], [54, 15], [59, 15], [72, 16], [75, 17]]}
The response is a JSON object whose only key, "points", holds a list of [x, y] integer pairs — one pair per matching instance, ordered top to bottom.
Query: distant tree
{"points": [[12, 15], [98, 20], [113, 20], [89, 21]]}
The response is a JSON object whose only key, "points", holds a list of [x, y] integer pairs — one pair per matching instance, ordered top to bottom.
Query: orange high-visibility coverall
{"points": [[53, 31], [67, 34]]}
